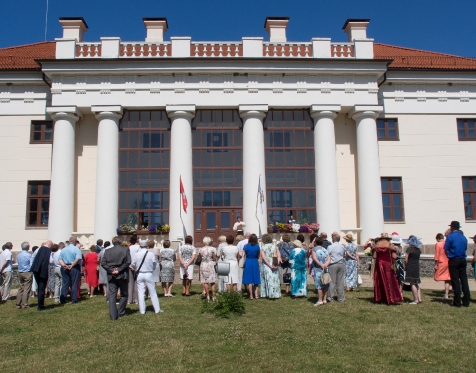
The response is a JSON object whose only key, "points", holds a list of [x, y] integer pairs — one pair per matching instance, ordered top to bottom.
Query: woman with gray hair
{"points": [[221, 245], [143, 264], [412, 266], [207, 267], [167, 273], [270, 286]]}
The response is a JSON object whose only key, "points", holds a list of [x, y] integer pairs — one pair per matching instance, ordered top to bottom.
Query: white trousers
{"points": [[143, 280]]}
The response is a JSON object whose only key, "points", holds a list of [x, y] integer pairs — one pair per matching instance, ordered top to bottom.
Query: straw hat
{"points": [[349, 237], [382, 238], [297, 243]]}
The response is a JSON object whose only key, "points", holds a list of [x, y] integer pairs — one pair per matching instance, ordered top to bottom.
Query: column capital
{"points": [[112, 111], [180, 111], [257, 111], [324, 111], [360, 111], [64, 112]]}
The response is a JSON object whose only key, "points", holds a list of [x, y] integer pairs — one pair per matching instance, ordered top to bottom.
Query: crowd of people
{"points": [[131, 270]]}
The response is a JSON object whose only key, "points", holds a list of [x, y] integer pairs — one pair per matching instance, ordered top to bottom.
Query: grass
{"points": [[283, 335]]}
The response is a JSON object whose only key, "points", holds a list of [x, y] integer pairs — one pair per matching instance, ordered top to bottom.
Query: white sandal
{"points": [[320, 303]]}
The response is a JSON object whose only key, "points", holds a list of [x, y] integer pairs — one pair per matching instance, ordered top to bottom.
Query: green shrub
{"points": [[225, 305]]}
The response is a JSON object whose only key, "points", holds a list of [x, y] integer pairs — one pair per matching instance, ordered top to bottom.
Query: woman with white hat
{"points": [[352, 262], [400, 268]]}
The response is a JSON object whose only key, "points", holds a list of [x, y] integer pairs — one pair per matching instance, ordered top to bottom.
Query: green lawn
{"points": [[284, 335]]}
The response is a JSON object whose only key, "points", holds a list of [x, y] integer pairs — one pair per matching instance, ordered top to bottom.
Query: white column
{"points": [[253, 167], [107, 171], [368, 171], [327, 191], [61, 220], [181, 222]]}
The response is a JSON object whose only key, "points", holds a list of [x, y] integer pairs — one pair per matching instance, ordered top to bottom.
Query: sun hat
{"points": [[349, 237], [382, 238], [396, 239], [413, 241], [297, 243]]}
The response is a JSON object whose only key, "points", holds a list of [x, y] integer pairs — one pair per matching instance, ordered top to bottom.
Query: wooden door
{"points": [[213, 223]]}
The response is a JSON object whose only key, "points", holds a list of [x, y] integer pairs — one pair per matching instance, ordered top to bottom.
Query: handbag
{"points": [[198, 261], [242, 261], [136, 272], [286, 277], [326, 278]]}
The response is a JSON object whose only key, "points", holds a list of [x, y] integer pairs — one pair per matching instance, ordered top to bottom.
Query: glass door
{"points": [[213, 223]]}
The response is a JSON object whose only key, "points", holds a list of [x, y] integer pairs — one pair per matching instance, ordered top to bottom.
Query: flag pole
{"points": [[180, 196], [256, 210]]}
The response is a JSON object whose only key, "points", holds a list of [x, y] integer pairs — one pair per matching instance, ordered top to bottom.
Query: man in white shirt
{"points": [[239, 225], [241, 245], [6, 261], [144, 263], [336, 269], [58, 275], [132, 285]]}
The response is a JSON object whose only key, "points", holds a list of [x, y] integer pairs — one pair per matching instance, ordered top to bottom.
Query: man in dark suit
{"points": [[41, 262], [116, 262]]}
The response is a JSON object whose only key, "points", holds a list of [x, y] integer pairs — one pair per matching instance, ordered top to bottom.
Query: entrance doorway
{"points": [[214, 223]]}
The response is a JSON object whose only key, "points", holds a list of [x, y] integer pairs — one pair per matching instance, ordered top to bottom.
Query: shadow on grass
{"points": [[442, 301]]}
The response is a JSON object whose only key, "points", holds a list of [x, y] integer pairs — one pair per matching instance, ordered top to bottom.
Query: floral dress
{"points": [[187, 251], [321, 254], [207, 267], [167, 272], [298, 272], [351, 273], [270, 285]]}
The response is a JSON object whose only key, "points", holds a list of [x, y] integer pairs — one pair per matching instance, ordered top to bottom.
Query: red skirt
{"points": [[386, 289]]}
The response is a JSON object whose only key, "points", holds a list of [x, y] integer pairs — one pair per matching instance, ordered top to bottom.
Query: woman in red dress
{"points": [[91, 269], [386, 289]]}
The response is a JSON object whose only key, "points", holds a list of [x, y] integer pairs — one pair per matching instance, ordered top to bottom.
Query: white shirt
{"points": [[235, 227], [241, 245], [134, 249], [6, 256], [56, 258], [150, 261]]}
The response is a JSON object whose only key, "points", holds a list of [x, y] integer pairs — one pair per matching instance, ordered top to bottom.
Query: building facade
{"points": [[358, 136]]}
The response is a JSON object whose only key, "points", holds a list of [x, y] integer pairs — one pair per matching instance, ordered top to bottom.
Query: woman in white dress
{"points": [[230, 255], [186, 256], [221, 279]]}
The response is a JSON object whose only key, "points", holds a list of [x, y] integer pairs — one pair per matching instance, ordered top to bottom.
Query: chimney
{"points": [[73, 27], [276, 27], [156, 28], [356, 28]]}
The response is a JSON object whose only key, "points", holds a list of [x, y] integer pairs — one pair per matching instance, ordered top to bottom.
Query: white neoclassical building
{"points": [[359, 136]]}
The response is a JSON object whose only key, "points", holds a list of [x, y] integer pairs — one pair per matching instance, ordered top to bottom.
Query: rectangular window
{"points": [[387, 129], [466, 129], [41, 132], [469, 197], [392, 199], [38, 204]]}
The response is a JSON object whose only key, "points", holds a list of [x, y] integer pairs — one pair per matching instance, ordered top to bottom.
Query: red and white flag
{"points": [[184, 196]]}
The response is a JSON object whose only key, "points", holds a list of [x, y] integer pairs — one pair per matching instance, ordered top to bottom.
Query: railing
{"points": [[144, 49], [204, 49], [88, 50], [287, 50], [342, 50]]}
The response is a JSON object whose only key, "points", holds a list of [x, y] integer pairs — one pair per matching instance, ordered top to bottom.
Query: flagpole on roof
{"points": [[46, 19]]}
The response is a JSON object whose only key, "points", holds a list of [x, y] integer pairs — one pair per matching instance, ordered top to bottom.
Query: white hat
{"points": [[396, 239], [143, 243]]}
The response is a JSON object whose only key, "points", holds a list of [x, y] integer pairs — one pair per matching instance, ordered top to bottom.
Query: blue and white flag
{"points": [[260, 197]]}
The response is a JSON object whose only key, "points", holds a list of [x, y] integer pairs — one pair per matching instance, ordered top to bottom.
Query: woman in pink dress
{"points": [[91, 263], [441, 263]]}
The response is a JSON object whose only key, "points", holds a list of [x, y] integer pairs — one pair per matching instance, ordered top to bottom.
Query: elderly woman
{"points": [[285, 247], [186, 256], [230, 256], [320, 261], [352, 262], [207, 267], [412, 267], [91, 269], [298, 270], [102, 271], [51, 272], [167, 272], [442, 272], [251, 276], [221, 279], [270, 286], [386, 289]]}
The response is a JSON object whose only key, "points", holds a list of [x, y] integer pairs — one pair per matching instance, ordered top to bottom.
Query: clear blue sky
{"points": [[437, 25]]}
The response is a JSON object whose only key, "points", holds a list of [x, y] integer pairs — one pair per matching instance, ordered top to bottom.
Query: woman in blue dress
{"points": [[320, 261], [351, 263], [298, 270], [251, 275]]}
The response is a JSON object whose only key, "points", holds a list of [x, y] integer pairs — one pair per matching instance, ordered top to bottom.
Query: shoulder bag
{"points": [[285, 258], [198, 260], [242, 260], [136, 272], [287, 277], [325, 278]]}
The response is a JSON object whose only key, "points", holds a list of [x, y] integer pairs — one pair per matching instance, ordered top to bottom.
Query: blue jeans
{"points": [[70, 277]]}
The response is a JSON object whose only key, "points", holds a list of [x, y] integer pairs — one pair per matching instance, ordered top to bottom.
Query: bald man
{"points": [[70, 261], [40, 268]]}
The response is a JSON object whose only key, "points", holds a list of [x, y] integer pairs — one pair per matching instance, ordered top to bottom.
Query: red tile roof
{"points": [[23, 57], [408, 58]]}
